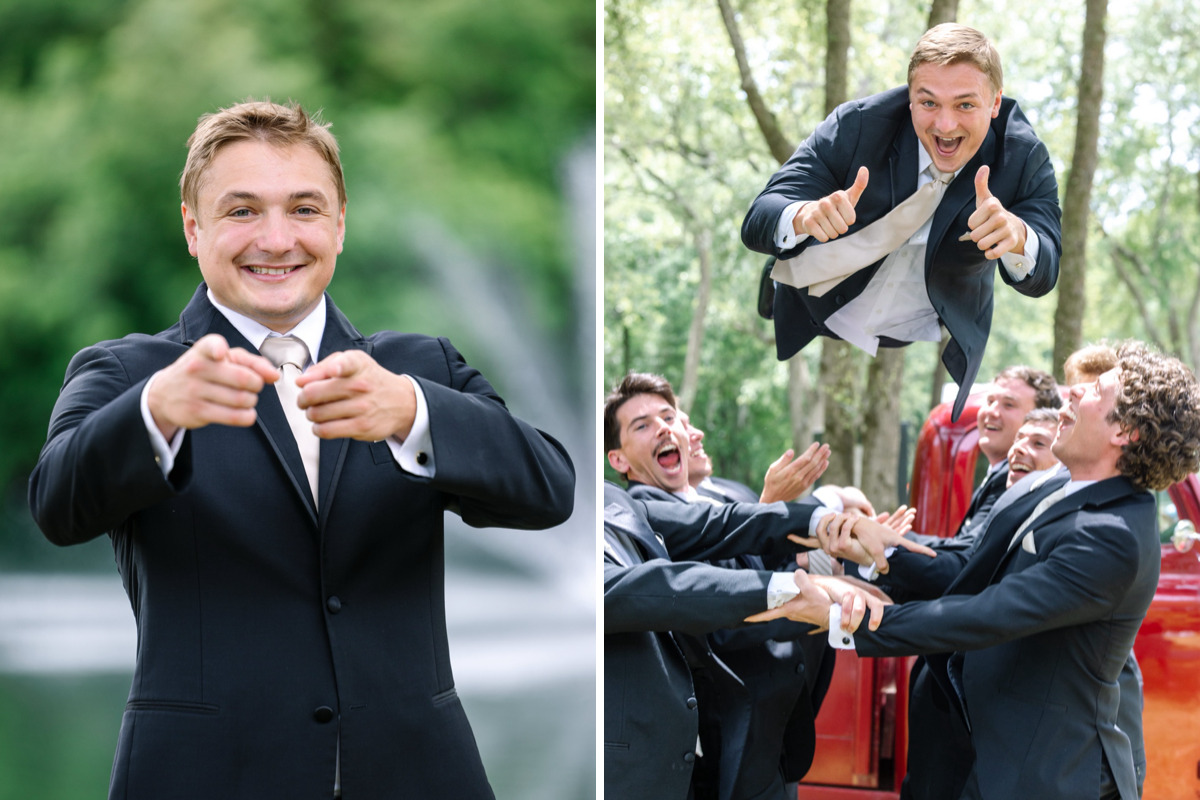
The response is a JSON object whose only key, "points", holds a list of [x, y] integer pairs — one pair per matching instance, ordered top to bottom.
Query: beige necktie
{"points": [[822, 266], [290, 355], [1047, 501]]}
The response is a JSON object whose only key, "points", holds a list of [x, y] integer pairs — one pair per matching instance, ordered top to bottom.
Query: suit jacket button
{"points": [[839, 300], [422, 458], [334, 604], [691, 702], [323, 714], [689, 757]]}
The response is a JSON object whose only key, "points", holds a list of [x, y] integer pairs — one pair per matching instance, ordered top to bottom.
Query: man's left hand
{"points": [[994, 230], [348, 395]]}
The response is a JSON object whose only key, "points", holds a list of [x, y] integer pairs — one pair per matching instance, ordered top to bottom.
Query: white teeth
{"points": [[271, 270]]}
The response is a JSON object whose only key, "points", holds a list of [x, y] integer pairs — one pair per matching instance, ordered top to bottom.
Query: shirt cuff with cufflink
{"points": [[785, 233], [414, 453], [838, 638]]}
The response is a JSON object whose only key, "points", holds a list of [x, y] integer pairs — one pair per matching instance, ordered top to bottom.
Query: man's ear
{"points": [[996, 105], [189, 228], [1124, 437], [617, 460]]}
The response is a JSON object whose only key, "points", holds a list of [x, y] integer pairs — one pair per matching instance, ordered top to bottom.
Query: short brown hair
{"points": [[951, 43], [263, 121], [1092, 361], [631, 385], [1045, 388], [1158, 405], [1042, 415]]}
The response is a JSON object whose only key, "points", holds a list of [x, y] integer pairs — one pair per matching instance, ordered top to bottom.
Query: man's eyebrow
{"points": [[966, 96], [250, 197]]}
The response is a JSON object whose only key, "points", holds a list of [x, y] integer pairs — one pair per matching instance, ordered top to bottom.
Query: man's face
{"points": [[952, 107], [267, 230], [1001, 417], [653, 443], [1087, 443], [1031, 450], [699, 463]]}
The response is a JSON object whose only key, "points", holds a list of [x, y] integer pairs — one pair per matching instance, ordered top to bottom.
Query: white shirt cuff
{"points": [[785, 233], [1020, 265], [164, 451], [415, 453], [871, 572], [781, 588], [838, 638]]}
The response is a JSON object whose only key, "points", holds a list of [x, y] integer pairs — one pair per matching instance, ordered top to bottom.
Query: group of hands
{"points": [[994, 229], [345, 395], [855, 535]]}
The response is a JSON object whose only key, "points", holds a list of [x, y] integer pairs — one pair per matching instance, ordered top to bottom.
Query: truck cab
{"points": [[862, 729]]}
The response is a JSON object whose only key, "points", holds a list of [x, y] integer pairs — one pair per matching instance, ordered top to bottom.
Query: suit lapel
{"points": [[200, 318], [339, 335]]}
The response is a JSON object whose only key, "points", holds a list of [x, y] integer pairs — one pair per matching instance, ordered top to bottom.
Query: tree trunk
{"points": [[942, 11], [837, 48], [781, 148], [1072, 301], [691, 361], [841, 387], [800, 410], [881, 419]]}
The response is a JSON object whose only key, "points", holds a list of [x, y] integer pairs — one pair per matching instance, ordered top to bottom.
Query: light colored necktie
{"points": [[822, 266], [290, 355], [1047, 501]]}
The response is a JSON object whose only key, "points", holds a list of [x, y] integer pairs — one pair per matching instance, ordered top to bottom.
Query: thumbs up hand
{"points": [[831, 216], [994, 230]]}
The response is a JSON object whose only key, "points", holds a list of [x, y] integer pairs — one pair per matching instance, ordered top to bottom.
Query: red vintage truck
{"points": [[862, 730]]}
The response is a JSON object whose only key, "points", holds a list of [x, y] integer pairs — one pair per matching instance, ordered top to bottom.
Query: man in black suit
{"points": [[893, 285], [284, 558], [657, 608], [1028, 643], [756, 712]]}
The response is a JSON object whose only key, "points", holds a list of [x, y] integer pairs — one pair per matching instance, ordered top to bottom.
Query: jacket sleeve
{"points": [[815, 170], [1037, 206], [97, 466], [499, 470], [703, 532], [1083, 578], [661, 595]]}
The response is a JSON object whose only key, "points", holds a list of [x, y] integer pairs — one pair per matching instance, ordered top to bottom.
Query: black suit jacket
{"points": [[877, 132], [655, 614], [269, 631], [1042, 631], [757, 716]]}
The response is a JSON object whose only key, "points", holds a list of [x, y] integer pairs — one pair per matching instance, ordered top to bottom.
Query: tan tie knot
{"points": [[939, 176], [280, 350]]}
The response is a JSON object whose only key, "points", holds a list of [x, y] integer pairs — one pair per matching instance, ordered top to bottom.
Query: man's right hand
{"points": [[831, 216], [210, 383], [788, 478]]}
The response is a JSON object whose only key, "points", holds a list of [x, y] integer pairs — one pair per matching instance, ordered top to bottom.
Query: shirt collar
{"points": [[924, 162], [310, 330]]}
